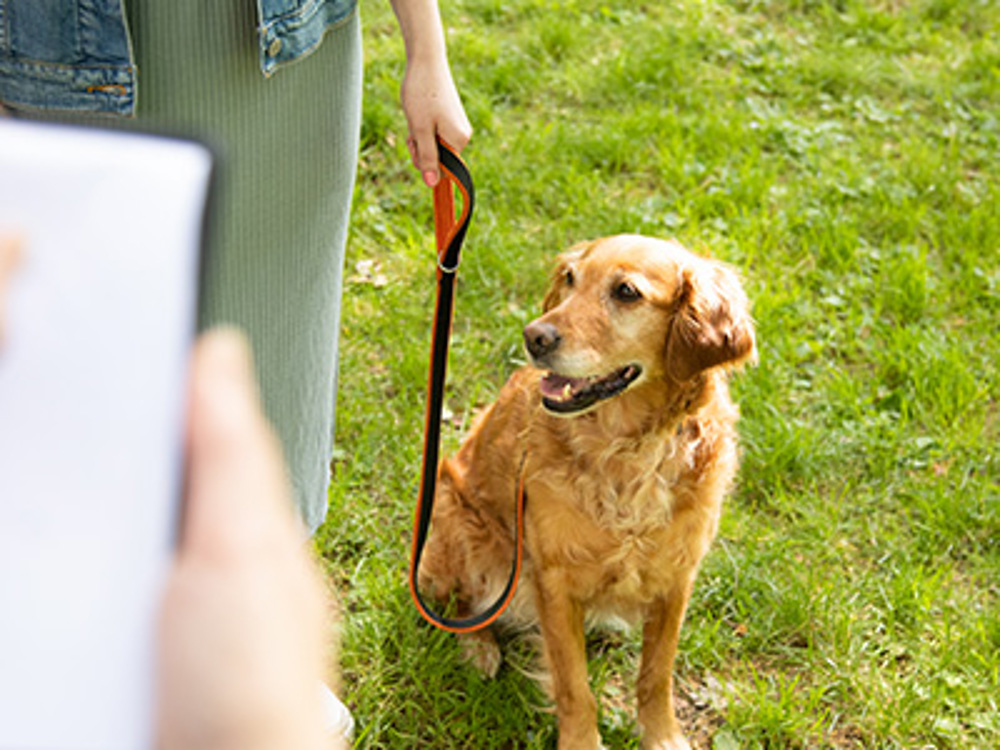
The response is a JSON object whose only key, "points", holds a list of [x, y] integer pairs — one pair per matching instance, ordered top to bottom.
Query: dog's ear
{"points": [[559, 280], [711, 323]]}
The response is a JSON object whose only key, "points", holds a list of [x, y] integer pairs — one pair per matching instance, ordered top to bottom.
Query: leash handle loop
{"points": [[449, 231], [449, 235]]}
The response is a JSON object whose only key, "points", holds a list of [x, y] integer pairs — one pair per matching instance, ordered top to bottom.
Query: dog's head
{"points": [[628, 310]]}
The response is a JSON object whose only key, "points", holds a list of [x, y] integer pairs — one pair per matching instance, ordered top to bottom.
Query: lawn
{"points": [[845, 157]]}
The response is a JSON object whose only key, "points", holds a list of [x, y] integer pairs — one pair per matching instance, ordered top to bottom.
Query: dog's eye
{"points": [[568, 277], [625, 292]]}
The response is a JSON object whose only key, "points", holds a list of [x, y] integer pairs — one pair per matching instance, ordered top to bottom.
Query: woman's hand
{"points": [[431, 102]]}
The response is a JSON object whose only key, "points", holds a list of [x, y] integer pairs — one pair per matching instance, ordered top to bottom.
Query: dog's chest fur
{"points": [[618, 515]]}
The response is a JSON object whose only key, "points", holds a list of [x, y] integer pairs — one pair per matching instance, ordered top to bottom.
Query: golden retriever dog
{"points": [[625, 433]]}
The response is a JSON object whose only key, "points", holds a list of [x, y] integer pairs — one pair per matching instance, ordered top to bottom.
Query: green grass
{"points": [[845, 156]]}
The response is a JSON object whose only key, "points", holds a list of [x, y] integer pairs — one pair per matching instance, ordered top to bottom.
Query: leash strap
{"points": [[450, 233]]}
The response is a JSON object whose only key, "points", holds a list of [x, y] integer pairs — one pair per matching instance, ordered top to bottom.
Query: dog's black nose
{"points": [[541, 339]]}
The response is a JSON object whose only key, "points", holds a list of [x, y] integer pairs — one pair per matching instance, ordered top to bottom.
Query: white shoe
{"points": [[337, 718]]}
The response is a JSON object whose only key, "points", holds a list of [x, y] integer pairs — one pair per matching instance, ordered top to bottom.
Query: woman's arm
{"points": [[430, 100]]}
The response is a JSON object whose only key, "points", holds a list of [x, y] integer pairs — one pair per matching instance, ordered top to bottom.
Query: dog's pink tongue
{"points": [[559, 387]]}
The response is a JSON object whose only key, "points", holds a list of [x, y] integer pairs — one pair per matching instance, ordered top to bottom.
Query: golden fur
{"points": [[623, 496]]}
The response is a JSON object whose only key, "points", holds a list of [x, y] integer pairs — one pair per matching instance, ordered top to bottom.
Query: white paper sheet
{"points": [[92, 378]]}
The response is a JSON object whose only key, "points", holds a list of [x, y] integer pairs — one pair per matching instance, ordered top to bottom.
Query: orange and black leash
{"points": [[450, 234]]}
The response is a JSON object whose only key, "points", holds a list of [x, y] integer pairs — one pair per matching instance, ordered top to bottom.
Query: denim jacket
{"points": [[76, 54]]}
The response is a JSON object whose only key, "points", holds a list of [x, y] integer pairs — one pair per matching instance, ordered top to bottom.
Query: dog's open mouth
{"points": [[565, 395]]}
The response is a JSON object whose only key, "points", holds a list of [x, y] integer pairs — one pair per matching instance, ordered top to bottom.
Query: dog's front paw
{"points": [[482, 651], [587, 740], [675, 742]]}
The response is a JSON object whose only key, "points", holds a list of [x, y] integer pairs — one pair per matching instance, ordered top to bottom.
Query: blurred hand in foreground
{"points": [[242, 641]]}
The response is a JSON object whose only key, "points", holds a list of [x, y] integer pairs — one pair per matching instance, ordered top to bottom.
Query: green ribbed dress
{"points": [[288, 149]]}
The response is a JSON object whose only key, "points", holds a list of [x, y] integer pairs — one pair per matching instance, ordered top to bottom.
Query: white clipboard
{"points": [[93, 372]]}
